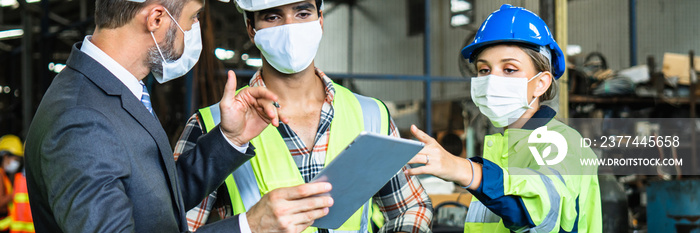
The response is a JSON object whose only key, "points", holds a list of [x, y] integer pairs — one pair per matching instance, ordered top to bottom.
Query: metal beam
{"points": [[36, 10], [83, 10], [547, 12], [74, 25], [9, 27], [633, 31], [351, 32], [560, 33], [5, 47], [45, 50], [426, 68], [26, 90], [693, 112]]}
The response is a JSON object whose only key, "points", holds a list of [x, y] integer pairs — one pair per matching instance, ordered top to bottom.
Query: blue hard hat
{"points": [[516, 24]]}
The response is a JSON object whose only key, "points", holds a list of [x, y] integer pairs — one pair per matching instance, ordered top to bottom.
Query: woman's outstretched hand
{"points": [[440, 163]]}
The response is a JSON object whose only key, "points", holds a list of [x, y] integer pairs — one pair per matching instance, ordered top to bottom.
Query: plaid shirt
{"points": [[403, 201]]}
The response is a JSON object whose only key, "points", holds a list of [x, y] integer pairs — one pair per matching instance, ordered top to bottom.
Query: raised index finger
{"points": [[260, 93], [422, 136]]}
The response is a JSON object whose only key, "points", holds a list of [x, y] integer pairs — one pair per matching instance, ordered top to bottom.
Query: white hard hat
{"points": [[258, 5]]}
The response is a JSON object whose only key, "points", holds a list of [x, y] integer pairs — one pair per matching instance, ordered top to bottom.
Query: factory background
{"points": [[402, 51]]}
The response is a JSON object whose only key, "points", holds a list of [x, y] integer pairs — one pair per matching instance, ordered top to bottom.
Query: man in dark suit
{"points": [[97, 158]]}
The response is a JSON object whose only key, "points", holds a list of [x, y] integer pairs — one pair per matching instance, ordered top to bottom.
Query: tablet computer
{"points": [[359, 171]]}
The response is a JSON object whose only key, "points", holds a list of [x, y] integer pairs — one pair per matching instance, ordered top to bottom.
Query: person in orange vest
{"points": [[10, 146], [6, 196], [15, 198], [20, 213]]}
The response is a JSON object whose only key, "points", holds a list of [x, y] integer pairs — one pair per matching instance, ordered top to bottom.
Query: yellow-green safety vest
{"points": [[273, 166], [555, 202]]}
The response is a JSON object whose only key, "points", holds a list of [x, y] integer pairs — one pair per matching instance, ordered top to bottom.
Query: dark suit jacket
{"points": [[98, 161]]}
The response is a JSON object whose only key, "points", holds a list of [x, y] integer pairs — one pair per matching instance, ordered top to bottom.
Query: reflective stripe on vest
{"points": [[353, 114], [21, 198], [478, 213], [21, 214], [377, 216], [550, 220], [5, 223], [22, 227]]}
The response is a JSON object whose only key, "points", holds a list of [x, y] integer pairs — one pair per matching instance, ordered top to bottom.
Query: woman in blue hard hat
{"points": [[516, 185]]}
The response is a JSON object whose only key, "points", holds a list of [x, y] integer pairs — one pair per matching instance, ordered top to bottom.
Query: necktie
{"points": [[146, 98]]}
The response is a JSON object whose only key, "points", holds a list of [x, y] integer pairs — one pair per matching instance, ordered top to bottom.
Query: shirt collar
{"points": [[112, 66], [257, 80], [540, 118]]}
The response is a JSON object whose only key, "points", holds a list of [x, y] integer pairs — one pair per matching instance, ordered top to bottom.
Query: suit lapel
{"points": [[111, 85], [151, 124]]}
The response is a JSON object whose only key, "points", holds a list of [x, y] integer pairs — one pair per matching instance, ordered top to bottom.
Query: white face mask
{"points": [[290, 48], [190, 54], [501, 98], [12, 166]]}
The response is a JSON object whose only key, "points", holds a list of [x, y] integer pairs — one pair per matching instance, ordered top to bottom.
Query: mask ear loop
{"points": [[171, 17], [154, 38], [158, 47], [533, 77], [533, 100]]}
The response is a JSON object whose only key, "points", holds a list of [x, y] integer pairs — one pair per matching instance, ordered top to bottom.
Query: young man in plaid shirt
{"points": [[288, 33]]}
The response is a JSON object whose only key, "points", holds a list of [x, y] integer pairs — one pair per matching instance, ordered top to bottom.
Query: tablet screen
{"points": [[360, 171]]}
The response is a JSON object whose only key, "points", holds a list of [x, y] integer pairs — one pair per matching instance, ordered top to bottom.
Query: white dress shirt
{"points": [[129, 80]]}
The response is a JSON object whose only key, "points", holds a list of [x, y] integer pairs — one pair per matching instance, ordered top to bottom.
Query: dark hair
{"points": [[116, 13], [251, 15], [541, 63]]}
